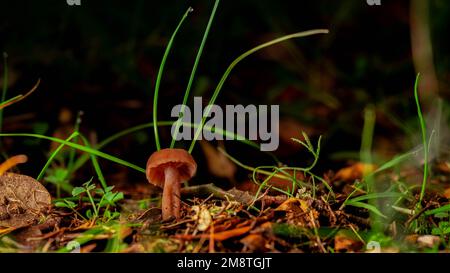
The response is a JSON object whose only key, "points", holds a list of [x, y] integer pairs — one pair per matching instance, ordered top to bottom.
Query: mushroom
{"points": [[167, 169]]}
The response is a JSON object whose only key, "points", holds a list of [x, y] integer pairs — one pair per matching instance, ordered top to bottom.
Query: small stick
{"points": [[415, 216]]}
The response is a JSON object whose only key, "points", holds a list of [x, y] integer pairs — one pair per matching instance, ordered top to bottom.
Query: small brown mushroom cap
{"points": [[177, 158]]}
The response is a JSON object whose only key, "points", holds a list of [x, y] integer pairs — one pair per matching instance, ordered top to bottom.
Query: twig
{"points": [[415, 216]]}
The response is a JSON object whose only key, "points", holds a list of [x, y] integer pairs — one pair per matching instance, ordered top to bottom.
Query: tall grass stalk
{"points": [[194, 69], [159, 76], [423, 129], [366, 145], [366, 157]]}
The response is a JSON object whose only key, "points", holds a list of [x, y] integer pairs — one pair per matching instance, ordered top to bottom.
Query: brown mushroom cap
{"points": [[177, 158]]}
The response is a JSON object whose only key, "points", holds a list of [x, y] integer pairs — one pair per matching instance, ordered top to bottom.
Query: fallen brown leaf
{"points": [[218, 164], [355, 171], [447, 193], [429, 241], [254, 242], [344, 242]]}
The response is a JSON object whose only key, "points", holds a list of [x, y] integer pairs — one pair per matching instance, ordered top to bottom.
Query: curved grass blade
{"points": [[238, 60], [194, 69], [160, 73], [19, 97], [134, 129], [424, 139], [81, 148], [52, 156], [395, 161], [95, 164], [372, 196], [369, 207], [445, 208]]}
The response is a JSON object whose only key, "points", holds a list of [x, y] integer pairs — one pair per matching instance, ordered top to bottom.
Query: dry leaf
{"points": [[218, 164], [443, 167], [355, 171], [447, 193], [294, 205], [299, 212], [429, 241], [254, 242], [343, 242]]}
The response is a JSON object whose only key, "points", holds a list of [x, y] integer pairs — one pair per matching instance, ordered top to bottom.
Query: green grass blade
{"points": [[238, 60], [194, 69], [158, 78], [19, 97], [6, 102], [424, 139], [366, 143], [81, 148], [73, 151], [53, 155], [366, 158], [82, 160], [394, 161], [95, 164], [372, 196], [369, 207], [445, 208]]}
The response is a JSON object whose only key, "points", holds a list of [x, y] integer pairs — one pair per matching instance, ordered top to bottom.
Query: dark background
{"points": [[102, 58]]}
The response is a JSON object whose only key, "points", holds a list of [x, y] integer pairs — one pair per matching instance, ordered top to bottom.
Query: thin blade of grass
{"points": [[238, 60], [194, 69], [160, 73], [19, 97], [424, 139], [366, 143], [81, 148], [73, 151], [52, 157], [366, 158], [83, 159], [394, 162], [95, 164], [378, 195], [369, 207], [445, 208]]}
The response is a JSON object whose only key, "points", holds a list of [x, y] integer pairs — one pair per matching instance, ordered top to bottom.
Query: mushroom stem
{"points": [[171, 194]]}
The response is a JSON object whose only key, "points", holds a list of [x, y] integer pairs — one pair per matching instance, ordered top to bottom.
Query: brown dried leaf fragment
{"points": [[355, 171]]}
